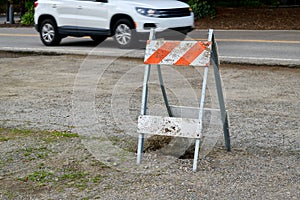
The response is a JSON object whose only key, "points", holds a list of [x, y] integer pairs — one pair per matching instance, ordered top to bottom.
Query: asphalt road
{"points": [[270, 47]]}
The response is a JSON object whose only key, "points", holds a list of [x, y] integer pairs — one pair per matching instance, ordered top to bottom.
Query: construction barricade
{"points": [[182, 121]]}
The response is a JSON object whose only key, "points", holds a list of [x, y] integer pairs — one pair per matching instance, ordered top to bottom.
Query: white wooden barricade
{"points": [[182, 121]]}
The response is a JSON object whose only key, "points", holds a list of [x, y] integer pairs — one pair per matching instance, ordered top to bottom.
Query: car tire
{"points": [[49, 33], [124, 34], [98, 39]]}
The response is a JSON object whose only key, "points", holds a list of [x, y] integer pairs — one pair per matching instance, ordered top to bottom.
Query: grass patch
{"points": [[9, 134], [60, 134], [48, 136], [51, 136], [4, 139], [36, 150], [32, 153], [100, 165], [73, 176], [40, 177], [43, 177], [97, 179], [59, 181]]}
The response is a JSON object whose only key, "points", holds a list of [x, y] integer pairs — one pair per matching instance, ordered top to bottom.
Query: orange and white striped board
{"points": [[184, 53]]}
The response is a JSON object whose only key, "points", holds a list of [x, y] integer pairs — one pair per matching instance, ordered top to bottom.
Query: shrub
{"points": [[202, 9], [28, 17]]}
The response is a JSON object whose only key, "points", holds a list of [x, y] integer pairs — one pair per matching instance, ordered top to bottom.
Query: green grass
{"points": [[9, 134], [61, 134], [48, 136], [4, 139], [37, 150], [32, 153], [73, 176], [40, 177], [57, 179]]}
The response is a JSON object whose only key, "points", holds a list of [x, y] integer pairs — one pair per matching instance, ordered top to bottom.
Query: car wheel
{"points": [[49, 33], [124, 34], [98, 39]]}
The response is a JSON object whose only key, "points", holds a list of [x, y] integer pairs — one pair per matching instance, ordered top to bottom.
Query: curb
{"points": [[139, 54]]}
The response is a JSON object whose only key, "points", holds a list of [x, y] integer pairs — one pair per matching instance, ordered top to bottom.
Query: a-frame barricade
{"points": [[180, 122]]}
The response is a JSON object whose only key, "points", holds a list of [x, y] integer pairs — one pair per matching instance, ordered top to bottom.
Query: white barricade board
{"points": [[169, 126]]}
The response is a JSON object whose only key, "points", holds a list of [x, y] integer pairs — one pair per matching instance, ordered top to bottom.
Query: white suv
{"points": [[125, 20]]}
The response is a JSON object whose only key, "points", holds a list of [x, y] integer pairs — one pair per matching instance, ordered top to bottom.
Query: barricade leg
{"points": [[144, 103], [143, 112], [201, 113], [224, 116], [226, 133], [140, 148], [196, 154]]}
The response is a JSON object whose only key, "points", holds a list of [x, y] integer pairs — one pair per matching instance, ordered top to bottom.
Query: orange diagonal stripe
{"points": [[161, 53], [191, 54]]}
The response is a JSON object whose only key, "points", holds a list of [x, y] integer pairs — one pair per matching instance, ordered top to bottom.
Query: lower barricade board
{"points": [[169, 126]]}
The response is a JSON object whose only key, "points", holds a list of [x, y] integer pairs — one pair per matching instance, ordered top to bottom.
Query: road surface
{"points": [[235, 46]]}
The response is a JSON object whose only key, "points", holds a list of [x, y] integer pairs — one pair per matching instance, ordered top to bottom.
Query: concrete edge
{"points": [[295, 63]]}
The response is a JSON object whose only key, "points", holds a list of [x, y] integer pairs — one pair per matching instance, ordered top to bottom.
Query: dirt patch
{"points": [[253, 19], [54, 94]]}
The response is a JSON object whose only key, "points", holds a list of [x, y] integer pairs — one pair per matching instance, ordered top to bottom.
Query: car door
{"points": [[65, 12], [92, 14]]}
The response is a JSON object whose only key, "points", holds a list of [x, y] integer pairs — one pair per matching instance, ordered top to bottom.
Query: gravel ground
{"points": [[45, 99]]}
